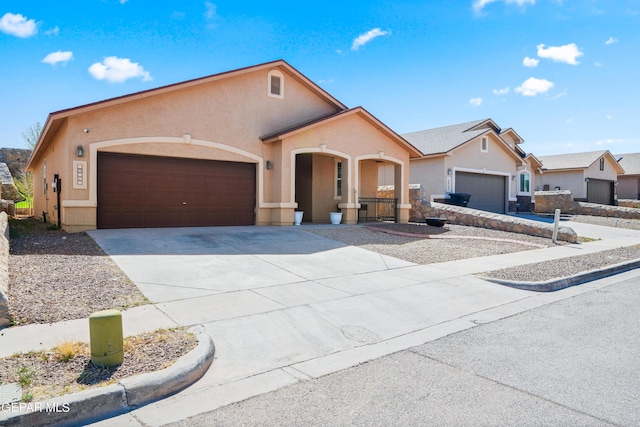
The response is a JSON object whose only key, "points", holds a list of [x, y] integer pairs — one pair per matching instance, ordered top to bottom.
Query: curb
{"points": [[566, 282], [105, 402]]}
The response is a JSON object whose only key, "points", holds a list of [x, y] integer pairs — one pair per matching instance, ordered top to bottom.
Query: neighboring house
{"points": [[244, 147], [477, 158], [590, 176], [629, 181]]}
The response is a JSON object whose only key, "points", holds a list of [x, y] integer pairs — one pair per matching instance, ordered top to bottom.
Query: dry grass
{"points": [[67, 368]]}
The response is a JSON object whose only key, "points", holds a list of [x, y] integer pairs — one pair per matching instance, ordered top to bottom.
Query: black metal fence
{"points": [[377, 209]]}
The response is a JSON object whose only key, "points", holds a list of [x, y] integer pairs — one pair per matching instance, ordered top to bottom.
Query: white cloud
{"points": [[478, 5], [210, 14], [18, 25], [53, 32], [365, 38], [611, 40], [567, 53], [57, 57], [530, 62], [597, 64], [117, 70], [533, 86], [503, 91], [475, 102], [608, 117]]}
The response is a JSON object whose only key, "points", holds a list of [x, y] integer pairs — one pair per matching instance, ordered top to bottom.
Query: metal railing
{"points": [[377, 209]]}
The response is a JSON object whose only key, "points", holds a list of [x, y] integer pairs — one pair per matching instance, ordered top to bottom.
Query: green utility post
{"points": [[105, 335]]}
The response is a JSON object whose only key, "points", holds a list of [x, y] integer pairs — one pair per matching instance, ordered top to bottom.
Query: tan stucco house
{"points": [[244, 147], [477, 158], [591, 176], [629, 181]]}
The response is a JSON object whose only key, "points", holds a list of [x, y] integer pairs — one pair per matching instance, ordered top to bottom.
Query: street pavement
{"points": [[285, 307], [574, 362]]}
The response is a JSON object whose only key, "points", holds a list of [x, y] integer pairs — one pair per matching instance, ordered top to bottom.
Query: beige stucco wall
{"points": [[219, 120], [358, 145], [432, 173], [609, 173], [566, 180], [574, 180], [628, 187]]}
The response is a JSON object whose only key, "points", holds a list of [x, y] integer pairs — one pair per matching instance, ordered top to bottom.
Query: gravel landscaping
{"points": [[423, 244], [56, 276], [68, 368]]}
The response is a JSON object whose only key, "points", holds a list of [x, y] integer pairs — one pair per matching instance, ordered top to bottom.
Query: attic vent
{"points": [[276, 84], [484, 145]]}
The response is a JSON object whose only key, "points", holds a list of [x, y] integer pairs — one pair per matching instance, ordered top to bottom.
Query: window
{"points": [[276, 84], [484, 145], [602, 164], [525, 182], [338, 189]]}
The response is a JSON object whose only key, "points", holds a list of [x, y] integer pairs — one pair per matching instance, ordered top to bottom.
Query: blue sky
{"points": [[563, 73]]}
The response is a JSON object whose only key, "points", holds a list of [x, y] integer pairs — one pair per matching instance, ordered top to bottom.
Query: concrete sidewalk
{"points": [[283, 305]]}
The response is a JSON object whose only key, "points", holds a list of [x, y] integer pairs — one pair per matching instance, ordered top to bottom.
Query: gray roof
{"points": [[444, 139], [570, 160], [630, 162]]}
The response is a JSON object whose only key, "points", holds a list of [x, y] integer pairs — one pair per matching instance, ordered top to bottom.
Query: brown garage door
{"points": [[148, 191], [487, 191], [600, 191]]}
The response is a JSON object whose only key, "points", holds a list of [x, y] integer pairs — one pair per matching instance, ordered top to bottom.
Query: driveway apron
{"points": [[275, 297]]}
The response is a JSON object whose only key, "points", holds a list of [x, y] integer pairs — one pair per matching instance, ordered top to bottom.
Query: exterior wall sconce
{"points": [[79, 151], [269, 165], [449, 171], [513, 177], [586, 180]]}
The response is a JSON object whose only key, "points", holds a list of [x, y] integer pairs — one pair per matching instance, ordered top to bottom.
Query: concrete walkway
{"points": [[284, 305]]}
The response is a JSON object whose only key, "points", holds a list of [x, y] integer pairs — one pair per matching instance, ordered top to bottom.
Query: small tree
{"points": [[31, 135], [24, 184]]}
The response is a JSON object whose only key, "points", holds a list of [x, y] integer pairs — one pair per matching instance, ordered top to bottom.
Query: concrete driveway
{"points": [[283, 304]]}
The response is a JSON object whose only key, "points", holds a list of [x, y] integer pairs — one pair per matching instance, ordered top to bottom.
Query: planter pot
{"points": [[297, 217], [335, 217]]}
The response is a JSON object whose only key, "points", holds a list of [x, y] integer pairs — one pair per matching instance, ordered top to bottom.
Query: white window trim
{"points": [[275, 73], [484, 144], [79, 174], [519, 192], [337, 196]]}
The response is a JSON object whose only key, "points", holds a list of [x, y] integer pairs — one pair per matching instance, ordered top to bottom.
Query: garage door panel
{"points": [[147, 191], [487, 191], [600, 191]]}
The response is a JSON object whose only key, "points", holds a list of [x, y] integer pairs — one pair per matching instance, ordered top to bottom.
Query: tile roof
{"points": [[444, 139], [570, 160], [630, 162]]}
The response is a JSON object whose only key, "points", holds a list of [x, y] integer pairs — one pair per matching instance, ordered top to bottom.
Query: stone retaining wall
{"points": [[549, 201], [629, 203], [594, 209], [476, 218], [4, 270]]}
